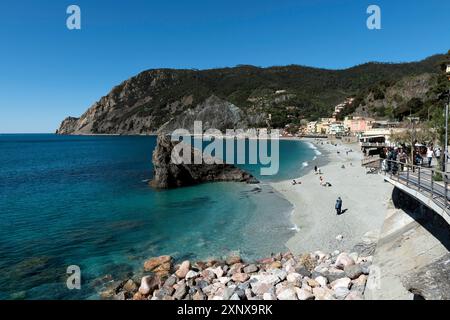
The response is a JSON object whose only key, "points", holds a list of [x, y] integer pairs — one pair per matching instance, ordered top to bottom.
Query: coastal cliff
{"points": [[160, 100], [167, 174]]}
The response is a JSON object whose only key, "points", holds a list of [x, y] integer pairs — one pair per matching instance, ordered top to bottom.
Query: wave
{"points": [[312, 146], [305, 164]]}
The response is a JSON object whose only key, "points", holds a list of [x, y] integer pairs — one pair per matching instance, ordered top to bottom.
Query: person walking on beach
{"points": [[338, 206]]}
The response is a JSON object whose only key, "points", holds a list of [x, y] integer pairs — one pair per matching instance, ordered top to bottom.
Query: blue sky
{"points": [[48, 72]]}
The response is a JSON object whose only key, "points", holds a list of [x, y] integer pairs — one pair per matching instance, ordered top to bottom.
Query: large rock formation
{"points": [[167, 174]]}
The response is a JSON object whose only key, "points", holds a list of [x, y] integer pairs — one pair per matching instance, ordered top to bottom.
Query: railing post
{"points": [[407, 174], [418, 179], [432, 183], [446, 189]]}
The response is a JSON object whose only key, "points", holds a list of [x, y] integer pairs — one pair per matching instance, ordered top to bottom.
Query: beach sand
{"points": [[365, 200]]}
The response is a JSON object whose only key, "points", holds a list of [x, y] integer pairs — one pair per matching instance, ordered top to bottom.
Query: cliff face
{"points": [[161, 100], [158, 101], [167, 174]]}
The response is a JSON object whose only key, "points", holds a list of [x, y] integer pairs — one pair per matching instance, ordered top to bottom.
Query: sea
{"points": [[85, 201]]}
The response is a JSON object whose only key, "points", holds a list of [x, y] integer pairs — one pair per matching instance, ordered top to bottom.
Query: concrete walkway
{"points": [[408, 243]]}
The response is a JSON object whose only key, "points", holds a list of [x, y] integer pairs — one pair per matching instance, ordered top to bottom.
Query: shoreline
{"points": [[364, 196]]}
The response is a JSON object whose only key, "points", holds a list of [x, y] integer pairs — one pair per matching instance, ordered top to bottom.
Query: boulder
{"points": [[170, 174], [233, 259], [343, 260], [153, 263], [275, 265], [250, 268], [183, 269], [218, 271], [353, 271], [191, 274], [240, 277], [294, 278], [224, 280], [322, 281], [341, 283], [148, 284], [130, 286], [180, 292], [287, 293], [341, 293], [303, 294], [323, 294], [199, 295], [269, 296]]}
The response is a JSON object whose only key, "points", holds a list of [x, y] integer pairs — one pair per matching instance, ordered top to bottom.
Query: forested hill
{"points": [[242, 96]]}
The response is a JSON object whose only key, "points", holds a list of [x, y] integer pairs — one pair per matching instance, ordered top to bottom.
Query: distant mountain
{"points": [[240, 97]]}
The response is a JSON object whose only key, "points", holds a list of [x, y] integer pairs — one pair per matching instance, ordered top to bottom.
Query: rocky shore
{"points": [[310, 276]]}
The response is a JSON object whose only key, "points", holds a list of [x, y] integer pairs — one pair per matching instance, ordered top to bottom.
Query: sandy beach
{"points": [[365, 199]]}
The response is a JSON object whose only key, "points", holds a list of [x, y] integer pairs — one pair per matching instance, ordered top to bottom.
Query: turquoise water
{"points": [[67, 200]]}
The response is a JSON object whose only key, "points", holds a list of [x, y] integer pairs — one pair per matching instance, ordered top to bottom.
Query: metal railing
{"points": [[430, 182]]}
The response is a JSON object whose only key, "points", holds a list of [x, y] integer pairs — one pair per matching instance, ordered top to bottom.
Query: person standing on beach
{"points": [[338, 206]]}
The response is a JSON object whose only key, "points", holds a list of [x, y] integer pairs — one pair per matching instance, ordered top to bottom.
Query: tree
{"points": [[441, 96], [414, 133]]}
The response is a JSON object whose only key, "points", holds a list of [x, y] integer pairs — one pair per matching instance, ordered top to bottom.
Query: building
{"points": [[340, 107], [357, 125], [323, 126], [311, 127], [336, 128]]}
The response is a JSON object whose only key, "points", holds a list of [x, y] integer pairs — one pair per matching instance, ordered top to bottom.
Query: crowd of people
{"points": [[398, 157]]}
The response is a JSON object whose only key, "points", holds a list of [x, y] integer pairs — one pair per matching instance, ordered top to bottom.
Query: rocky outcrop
{"points": [[68, 126], [167, 174]]}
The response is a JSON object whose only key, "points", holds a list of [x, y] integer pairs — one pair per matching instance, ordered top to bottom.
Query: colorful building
{"points": [[357, 125]]}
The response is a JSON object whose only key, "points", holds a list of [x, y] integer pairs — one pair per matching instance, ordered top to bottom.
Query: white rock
{"points": [[339, 237], [343, 260], [289, 268], [183, 269], [217, 271], [191, 274], [281, 274], [294, 277], [224, 280], [322, 281], [341, 283], [145, 285], [341, 292], [287, 294], [303, 294], [323, 294], [269, 296]]}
